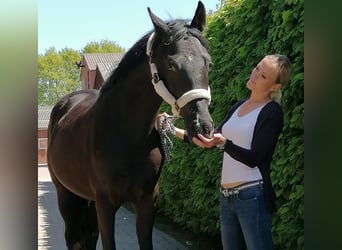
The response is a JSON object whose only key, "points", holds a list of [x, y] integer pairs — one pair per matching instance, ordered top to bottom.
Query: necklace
{"points": [[249, 102]]}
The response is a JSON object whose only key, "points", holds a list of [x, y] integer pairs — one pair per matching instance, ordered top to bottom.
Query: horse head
{"points": [[179, 63]]}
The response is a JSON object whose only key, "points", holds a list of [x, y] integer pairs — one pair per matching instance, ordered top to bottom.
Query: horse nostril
{"points": [[197, 128], [203, 129], [206, 131]]}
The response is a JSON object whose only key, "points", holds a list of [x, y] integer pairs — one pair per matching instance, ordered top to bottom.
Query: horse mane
{"points": [[137, 53], [133, 57]]}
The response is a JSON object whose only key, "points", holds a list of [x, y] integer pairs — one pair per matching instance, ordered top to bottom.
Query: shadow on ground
{"points": [[166, 234], [191, 240]]}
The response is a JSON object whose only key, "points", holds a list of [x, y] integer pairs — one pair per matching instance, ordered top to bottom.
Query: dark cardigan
{"points": [[267, 129]]}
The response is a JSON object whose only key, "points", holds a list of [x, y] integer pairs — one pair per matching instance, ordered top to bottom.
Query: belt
{"points": [[236, 190]]}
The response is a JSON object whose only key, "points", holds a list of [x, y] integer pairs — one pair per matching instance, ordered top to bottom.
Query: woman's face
{"points": [[263, 77]]}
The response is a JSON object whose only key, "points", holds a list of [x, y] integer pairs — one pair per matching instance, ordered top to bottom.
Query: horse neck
{"points": [[133, 104]]}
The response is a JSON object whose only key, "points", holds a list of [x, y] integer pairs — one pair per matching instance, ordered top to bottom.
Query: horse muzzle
{"points": [[197, 119], [204, 128]]}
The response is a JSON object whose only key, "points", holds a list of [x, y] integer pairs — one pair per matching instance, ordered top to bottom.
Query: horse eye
{"points": [[210, 64], [172, 66]]}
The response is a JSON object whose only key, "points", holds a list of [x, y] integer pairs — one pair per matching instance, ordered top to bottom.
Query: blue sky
{"points": [[74, 23]]}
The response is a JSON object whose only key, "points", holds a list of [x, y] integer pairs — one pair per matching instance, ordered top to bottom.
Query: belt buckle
{"points": [[225, 192], [229, 192]]}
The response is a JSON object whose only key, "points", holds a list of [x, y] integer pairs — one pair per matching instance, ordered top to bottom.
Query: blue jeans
{"points": [[245, 223]]}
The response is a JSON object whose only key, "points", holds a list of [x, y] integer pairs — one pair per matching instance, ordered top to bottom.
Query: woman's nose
{"points": [[255, 74]]}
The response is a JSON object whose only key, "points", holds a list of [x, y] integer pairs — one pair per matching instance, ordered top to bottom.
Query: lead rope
{"points": [[164, 139]]}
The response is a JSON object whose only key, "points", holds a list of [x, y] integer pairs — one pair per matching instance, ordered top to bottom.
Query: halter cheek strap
{"points": [[163, 92]]}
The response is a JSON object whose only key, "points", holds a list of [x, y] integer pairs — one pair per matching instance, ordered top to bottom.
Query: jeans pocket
{"points": [[252, 193]]}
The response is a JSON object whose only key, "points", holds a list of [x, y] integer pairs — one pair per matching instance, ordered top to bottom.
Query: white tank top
{"points": [[240, 131]]}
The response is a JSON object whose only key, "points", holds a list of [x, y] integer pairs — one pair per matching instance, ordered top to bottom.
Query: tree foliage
{"points": [[240, 34], [104, 46], [58, 74]]}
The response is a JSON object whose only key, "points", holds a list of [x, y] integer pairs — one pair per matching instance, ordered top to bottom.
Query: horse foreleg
{"points": [[145, 213], [106, 220], [89, 227]]}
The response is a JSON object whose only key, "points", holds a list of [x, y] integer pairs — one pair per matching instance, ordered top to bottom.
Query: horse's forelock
{"points": [[181, 27]]}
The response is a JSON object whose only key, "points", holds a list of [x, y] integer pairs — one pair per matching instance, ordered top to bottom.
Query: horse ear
{"points": [[198, 21], [160, 27]]}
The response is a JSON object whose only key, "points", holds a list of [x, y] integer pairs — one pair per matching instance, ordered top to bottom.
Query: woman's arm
{"points": [[180, 133], [265, 137]]}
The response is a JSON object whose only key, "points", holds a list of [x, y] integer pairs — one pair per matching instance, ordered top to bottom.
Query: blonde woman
{"points": [[248, 136]]}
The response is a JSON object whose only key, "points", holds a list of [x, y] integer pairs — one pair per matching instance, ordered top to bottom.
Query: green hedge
{"points": [[240, 33]]}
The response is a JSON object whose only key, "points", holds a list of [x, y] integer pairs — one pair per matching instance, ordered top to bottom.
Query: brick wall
{"points": [[42, 146]]}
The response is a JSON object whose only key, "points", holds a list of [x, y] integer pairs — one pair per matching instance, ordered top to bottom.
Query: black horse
{"points": [[103, 147]]}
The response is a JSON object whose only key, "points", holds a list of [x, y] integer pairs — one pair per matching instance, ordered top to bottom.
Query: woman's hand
{"points": [[163, 114], [203, 142]]}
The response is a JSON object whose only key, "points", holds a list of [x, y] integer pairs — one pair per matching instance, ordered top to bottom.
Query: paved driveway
{"points": [[51, 227]]}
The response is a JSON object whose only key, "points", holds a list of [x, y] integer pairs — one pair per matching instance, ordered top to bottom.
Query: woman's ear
{"points": [[276, 87]]}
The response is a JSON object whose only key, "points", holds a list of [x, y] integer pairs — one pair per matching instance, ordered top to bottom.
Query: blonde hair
{"points": [[283, 66]]}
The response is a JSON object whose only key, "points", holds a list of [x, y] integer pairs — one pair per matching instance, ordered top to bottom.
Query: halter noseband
{"points": [[163, 92]]}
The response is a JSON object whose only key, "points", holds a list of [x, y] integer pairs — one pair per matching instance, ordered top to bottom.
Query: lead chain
{"points": [[165, 140]]}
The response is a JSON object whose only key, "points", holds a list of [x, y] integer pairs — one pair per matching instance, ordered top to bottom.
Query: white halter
{"points": [[163, 92]]}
